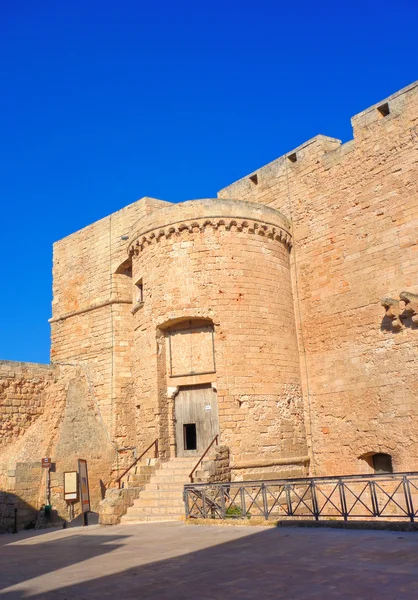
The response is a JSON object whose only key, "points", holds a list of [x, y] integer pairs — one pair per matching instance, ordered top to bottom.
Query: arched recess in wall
{"points": [[122, 280], [189, 347], [186, 376], [378, 462]]}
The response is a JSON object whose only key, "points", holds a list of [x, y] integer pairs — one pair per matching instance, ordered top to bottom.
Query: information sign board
{"points": [[70, 485]]}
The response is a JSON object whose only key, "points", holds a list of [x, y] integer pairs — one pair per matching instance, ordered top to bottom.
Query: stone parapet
{"points": [[196, 215]]}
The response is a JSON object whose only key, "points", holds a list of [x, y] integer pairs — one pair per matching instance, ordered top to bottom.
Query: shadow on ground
{"points": [[29, 557], [268, 564]]}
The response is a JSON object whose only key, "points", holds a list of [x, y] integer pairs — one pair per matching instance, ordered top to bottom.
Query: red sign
{"points": [[46, 463]]}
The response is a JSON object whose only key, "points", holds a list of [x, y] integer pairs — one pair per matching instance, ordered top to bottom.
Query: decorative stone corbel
{"points": [[411, 305], [392, 312], [214, 386], [172, 392]]}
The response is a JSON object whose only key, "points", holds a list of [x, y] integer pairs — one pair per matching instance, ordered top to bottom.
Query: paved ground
{"points": [[172, 561]]}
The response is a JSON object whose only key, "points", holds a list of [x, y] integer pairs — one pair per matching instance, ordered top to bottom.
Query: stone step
{"points": [[179, 462], [174, 470], [167, 476], [168, 486], [157, 494], [162, 497], [159, 499], [156, 502], [154, 510], [147, 519]]}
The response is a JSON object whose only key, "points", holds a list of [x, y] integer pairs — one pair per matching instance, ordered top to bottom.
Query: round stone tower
{"points": [[215, 348]]}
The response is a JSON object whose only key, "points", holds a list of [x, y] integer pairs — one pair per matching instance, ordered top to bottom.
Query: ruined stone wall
{"points": [[354, 212], [227, 262], [92, 300], [23, 392], [70, 427], [20, 485]]}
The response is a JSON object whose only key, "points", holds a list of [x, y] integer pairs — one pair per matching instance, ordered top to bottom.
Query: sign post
{"points": [[46, 464], [84, 488]]}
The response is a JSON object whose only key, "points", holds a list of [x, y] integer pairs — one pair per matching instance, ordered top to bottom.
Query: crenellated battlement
{"points": [[328, 151]]}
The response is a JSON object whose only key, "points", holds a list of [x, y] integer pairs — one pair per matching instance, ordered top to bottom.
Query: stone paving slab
{"points": [[173, 561]]}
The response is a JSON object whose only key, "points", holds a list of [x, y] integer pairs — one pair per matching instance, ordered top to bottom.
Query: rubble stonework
{"points": [[267, 299]]}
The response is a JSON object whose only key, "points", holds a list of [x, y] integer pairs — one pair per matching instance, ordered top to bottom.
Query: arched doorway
{"points": [[191, 370]]}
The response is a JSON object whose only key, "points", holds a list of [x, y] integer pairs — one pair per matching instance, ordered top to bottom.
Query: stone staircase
{"points": [[162, 497]]}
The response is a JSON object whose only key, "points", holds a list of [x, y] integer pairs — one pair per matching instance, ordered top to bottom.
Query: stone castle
{"points": [[281, 315]]}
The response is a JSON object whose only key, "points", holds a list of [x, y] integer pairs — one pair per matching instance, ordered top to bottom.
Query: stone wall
{"points": [[354, 212], [92, 299], [23, 392], [70, 427], [215, 468], [20, 485], [116, 503]]}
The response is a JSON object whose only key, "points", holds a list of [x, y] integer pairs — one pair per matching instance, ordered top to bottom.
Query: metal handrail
{"points": [[215, 439], [154, 443], [325, 479]]}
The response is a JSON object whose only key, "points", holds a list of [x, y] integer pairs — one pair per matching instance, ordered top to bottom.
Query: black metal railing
{"points": [[349, 497]]}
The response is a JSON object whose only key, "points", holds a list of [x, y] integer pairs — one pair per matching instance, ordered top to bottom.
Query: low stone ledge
{"points": [[254, 464], [254, 522], [336, 524]]}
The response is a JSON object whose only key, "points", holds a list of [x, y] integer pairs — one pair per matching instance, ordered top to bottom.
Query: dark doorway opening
{"points": [[189, 436]]}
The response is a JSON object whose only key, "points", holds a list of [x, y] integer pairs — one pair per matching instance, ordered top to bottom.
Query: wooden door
{"points": [[196, 419]]}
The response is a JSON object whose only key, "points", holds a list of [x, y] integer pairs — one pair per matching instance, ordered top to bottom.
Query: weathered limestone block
{"points": [[411, 305], [393, 310], [215, 469], [116, 503]]}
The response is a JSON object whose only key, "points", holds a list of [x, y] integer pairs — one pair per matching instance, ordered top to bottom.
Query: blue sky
{"points": [[104, 102]]}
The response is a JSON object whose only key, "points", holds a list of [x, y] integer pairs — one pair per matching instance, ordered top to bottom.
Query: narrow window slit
{"points": [[384, 109], [139, 291]]}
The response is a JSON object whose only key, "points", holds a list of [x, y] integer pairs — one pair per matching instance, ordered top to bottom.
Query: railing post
{"points": [[156, 448], [375, 499], [408, 499], [343, 500], [222, 501], [289, 501], [186, 502], [265, 505], [315, 506], [243, 508], [205, 514]]}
